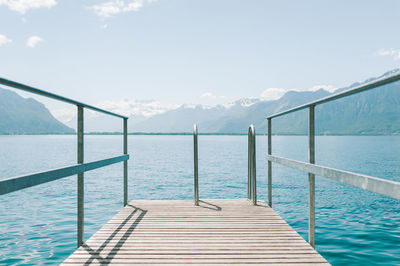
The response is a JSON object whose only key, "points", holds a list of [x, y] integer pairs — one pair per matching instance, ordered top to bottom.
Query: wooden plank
{"points": [[214, 233], [196, 252], [185, 261], [202, 264]]}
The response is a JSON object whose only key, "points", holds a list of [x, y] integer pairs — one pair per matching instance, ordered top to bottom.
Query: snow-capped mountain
{"points": [[371, 112]]}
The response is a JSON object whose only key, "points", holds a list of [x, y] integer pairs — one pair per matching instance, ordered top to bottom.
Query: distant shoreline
{"points": [[189, 134]]}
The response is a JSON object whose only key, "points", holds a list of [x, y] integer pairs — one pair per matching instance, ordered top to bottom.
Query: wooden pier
{"points": [[178, 232], [202, 232]]}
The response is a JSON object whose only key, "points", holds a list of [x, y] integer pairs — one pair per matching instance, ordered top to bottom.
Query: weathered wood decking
{"points": [[177, 232]]}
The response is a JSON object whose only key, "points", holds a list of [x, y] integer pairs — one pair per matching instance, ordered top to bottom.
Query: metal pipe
{"points": [[30, 89], [358, 89], [80, 133], [249, 146], [253, 155], [125, 162], [269, 163], [196, 173], [311, 177], [20, 182], [378, 185]]}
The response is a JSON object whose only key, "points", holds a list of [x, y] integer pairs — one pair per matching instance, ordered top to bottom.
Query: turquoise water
{"points": [[38, 225]]}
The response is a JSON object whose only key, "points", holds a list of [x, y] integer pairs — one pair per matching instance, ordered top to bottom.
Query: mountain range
{"points": [[372, 112], [20, 115]]}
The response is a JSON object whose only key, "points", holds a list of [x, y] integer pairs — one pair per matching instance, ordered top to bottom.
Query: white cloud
{"points": [[22, 6], [133, 6], [114, 7], [108, 9], [105, 26], [4, 40], [33, 41], [394, 53], [328, 88], [271, 94], [208, 95], [124, 107], [136, 107], [65, 115]]}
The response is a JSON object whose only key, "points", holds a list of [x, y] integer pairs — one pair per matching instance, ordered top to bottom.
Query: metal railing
{"points": [[196, 167], [252, 180], [20, 182], [378, 185]]}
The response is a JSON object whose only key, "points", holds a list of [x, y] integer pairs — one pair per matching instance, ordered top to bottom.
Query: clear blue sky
{"points": [[174, 51]]}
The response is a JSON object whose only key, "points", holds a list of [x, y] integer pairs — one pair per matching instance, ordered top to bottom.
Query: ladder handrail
{"points": [[196, 166], [252, 180]]}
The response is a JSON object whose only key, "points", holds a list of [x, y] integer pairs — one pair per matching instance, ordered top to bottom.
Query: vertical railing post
{"points": [[80, 132], [249, 140], [253, 155], [125, 162], [269, 163], [196, 171], [311, 177]]}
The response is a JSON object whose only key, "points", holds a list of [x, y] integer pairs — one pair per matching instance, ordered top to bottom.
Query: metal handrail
{"points": [[30, 89], [249, 162], [196, 166], [252, 179], [25, 181], [17, 183], [378, 185], [381, 186]]}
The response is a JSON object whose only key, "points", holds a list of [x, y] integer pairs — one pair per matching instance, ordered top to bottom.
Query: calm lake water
{"points": [[38, 225]]}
